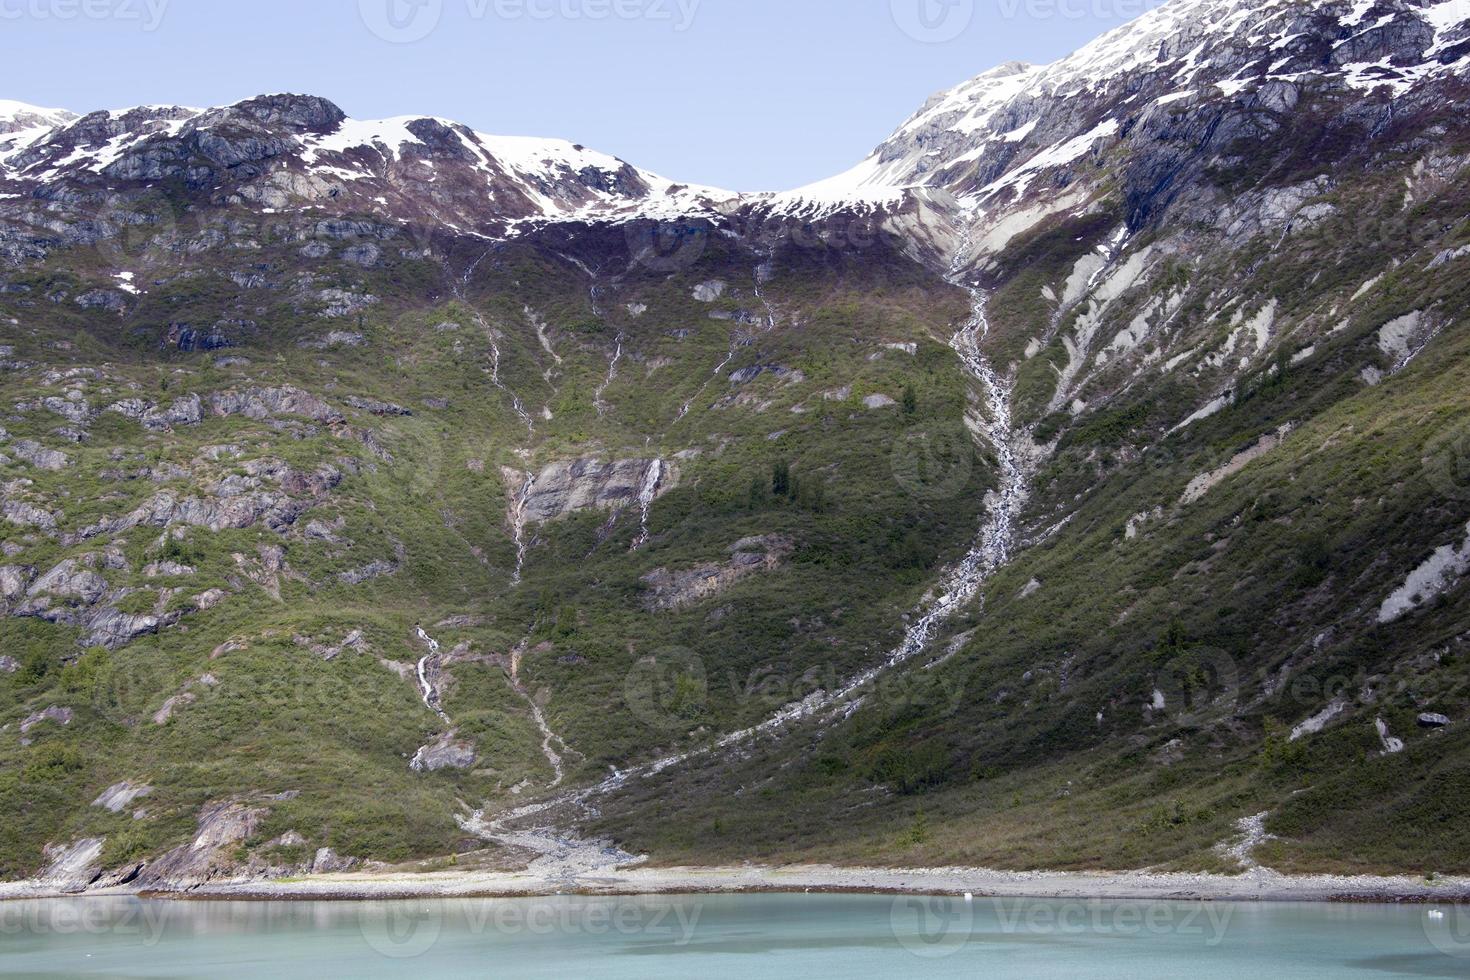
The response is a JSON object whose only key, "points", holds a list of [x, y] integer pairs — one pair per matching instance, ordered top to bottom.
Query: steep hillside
{"points": [[1081, 475]]}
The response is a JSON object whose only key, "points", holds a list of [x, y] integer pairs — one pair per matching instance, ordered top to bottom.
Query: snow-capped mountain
{"points": [[18, 117], [998, 130], [1015, 144], [1005, 149], [290, 151]]}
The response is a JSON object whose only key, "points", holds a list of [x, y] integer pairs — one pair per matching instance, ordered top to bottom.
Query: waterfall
{"points": [[646, 495], [518, 526], [426, 686]]}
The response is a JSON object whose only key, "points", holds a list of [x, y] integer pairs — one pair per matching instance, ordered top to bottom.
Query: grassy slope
{"points": [[1252, 609], [339, 733]]}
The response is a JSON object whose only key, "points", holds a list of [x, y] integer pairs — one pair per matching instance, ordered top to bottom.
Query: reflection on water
{"points": [[853, 936]]}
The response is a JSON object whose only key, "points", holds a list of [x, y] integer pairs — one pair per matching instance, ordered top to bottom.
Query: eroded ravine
{"points": [[456, 285], [991, 549]]}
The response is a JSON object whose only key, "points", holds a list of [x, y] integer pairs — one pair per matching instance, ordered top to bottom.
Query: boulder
{"points": [[708, 292], [57, 715], [1430, 720], [446, 752], [327, 861]]}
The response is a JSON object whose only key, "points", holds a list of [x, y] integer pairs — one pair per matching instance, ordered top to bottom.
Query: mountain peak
{"points": [[308, 113], [17, 116]]}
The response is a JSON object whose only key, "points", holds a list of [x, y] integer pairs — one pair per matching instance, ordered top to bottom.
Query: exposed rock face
{"points": [[366, 255], [708, 292], [102, 299], [342, 303], [337, 338], [190, 339], [781, 373], [268, 403], [376, 407], [75, 410], [186, 411], [39, 456], [1206, 482], [583, 484], [240, 502], [271, 508], [28, 514], [166, 569], [267, 570], [368, 572], [69, 579], [14, 580], [680, 589], [112, 628], [352, 641], [447, 752], [120, 796], [222, 826], [327, 861], [74, 866]]}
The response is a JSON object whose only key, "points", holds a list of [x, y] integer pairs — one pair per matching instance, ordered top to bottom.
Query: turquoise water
{"points": [[766, 936]]}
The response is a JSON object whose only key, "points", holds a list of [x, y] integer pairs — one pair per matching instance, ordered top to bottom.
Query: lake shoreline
{"points": [[1257, 885]]}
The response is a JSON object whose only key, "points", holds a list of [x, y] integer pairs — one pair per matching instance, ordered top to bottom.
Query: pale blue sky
{"points": [[742, 94]]}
